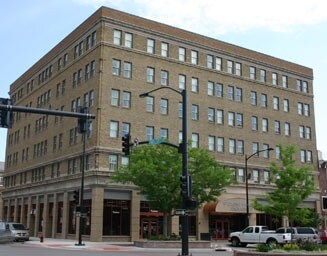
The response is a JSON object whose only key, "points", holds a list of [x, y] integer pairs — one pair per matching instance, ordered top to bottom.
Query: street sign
{"points": [[156, 141], [180, 212]]}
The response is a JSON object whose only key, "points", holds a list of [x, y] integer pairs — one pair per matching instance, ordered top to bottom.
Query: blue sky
{"points": [[291, 30]]}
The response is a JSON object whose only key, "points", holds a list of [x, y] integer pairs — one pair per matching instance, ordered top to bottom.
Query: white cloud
{"points": [[221, 16]]}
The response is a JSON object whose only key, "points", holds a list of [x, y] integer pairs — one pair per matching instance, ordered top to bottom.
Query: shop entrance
{"points": [[150, 227], [222, 229]]}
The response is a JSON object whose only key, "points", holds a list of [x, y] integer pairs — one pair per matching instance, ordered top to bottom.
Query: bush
{"points": [[309, 246], [290, 247], [263, 248]]}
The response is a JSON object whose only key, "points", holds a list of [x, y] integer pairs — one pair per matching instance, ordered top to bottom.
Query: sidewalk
{"points": [[110, 246]]}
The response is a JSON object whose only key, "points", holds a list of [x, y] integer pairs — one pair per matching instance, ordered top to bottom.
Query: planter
{"points": [[170, 244], [242, 253]]}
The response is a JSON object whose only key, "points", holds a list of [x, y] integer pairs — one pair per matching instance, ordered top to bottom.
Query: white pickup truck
{"points": [[258, 235]]}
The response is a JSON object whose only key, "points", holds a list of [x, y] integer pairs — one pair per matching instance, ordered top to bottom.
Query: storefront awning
{"points": [[210, 207]]}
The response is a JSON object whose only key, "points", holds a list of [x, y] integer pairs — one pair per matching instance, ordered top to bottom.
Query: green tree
{"points": [[156, 171], [293, 185]]}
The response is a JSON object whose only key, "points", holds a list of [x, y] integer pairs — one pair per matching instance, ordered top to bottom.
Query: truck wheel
{"points": [[235, 242], [271, 242]]}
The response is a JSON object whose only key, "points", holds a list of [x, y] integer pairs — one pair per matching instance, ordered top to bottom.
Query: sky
{"points": [[293, 30]]}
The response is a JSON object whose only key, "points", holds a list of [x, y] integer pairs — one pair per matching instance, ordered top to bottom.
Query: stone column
{"points": [[15, 209], [29, 209], [97, 214], [65, 215], [37, 216], [45, 216], [55, 216], [135, 216], [252, 219], [202, 222]]}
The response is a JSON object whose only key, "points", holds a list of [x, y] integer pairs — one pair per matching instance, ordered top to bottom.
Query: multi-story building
{"points": [[240, 101]]}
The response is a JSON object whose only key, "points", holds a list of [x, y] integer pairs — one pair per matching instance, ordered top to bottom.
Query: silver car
{"points": [[19, 231], [5, 233]]}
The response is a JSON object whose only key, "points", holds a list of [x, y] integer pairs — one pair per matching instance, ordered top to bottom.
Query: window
{"points": [[117, 37], [128, 40], [150, 45], [164, 50], [182, 54], [194, 57], [209, 61], [218, 64], [116, 67], [230, 67], [93, 68], [127, 69], [238, 69], [87, 71], [252, 73], [150, 75], [262, 75], [79, 76], [164, 78], [274, 79], [181, 81], [284, 81], [195, 84], [299, 85], [305, 87], [210, 88], [219, 90], [230, 92], [238, 94], [115, 97], [91, 98], [253, 98], [126, 100], [264, 102], [275, 103], [149, 104], [286, 105], [164, 106], [300, 108], [180, 110], [306, 110], [195, 112], [211, 114], [220, 116], [231, 118], [239, 120], [254, 123], [264, 124], [277, 127], [125, 128], [113, 129], [287, 129], [301, 131], [149, 132], [164, 133], [308, 133], [195, 140], [211, 143], [220, 144], [232, 146], [240, 147], [255, 148], [266, 151], [277, 152], [302, 155], [309, 156], [113, 162], [240, 175], [255, 176], [266, 177]]}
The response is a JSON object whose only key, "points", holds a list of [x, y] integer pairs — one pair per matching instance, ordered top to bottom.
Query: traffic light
{"points": [[6, 116], [82, 121], [125, 143], [185, 192], [76, 196], [190, 204]]}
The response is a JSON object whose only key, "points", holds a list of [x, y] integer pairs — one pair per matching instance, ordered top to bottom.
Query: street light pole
{"points": [[247, 183], [185, 198]]}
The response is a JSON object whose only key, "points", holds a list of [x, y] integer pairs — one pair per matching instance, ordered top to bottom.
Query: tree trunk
{"points": [[165, 224]]}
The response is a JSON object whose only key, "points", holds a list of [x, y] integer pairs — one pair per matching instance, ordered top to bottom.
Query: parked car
{"points": [[19, 231], [5, 233], [301, 234], [257, 235], [323, 235]]}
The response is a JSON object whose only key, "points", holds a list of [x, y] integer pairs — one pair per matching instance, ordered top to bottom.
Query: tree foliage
{"points": [[156, 171], [293, 185]]}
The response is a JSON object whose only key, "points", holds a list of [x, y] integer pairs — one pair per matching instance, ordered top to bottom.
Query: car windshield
{"points": [[18, 226]]}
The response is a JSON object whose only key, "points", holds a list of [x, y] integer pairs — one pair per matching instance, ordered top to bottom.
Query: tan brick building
{"points": [[240, 101]]}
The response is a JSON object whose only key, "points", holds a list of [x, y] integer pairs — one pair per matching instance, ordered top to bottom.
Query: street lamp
{"points": [[247, 183], [185, 198]]}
